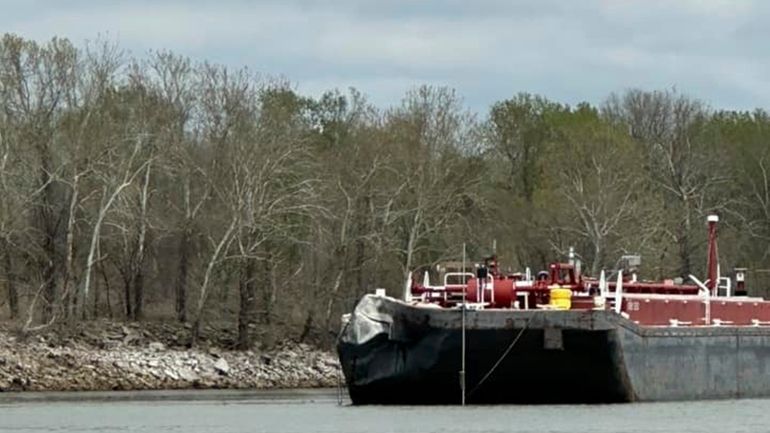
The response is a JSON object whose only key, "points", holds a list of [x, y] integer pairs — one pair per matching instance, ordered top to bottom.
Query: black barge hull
{"points": [[395, 353]]}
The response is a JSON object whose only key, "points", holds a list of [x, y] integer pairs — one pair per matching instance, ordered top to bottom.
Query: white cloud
{"points": [[488, 50]]}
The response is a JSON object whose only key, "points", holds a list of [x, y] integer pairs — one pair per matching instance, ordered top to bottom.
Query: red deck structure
{"points": [[712, 302]]}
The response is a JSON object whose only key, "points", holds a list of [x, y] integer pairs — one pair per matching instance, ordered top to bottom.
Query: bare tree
{"points": [[96, 75], [34, 82], [177, 84], [228, 115], [680, 161], [598, 175], [434, 183], [112, 188], [276, 191], [11, 207]]}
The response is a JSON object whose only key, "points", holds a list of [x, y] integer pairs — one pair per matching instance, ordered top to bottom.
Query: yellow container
{"points": [[561, 299]]}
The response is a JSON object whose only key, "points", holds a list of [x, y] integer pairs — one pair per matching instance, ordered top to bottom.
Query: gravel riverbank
{"points": [[111, 356]]}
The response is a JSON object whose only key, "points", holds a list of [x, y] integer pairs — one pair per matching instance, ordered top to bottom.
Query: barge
{"points": [[487, 337]]}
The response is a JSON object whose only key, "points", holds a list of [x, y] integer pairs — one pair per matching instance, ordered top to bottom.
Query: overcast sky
{"points": [[488, 50]]}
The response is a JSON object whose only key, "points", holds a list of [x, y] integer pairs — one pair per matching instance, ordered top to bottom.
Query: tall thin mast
{"points": [[713, 258], [462, 368]]}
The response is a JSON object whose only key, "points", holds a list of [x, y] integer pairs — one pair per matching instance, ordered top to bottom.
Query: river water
{"points": [[317, 411]]}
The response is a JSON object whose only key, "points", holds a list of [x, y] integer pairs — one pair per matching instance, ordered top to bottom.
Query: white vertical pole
{"points": [[719, 278], [602, 285], [408, 288], [619, 292], [465, 300], [708, 307]]}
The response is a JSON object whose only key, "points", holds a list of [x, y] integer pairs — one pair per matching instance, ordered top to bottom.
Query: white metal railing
{"points": [[457, 274], [727, 286], [525, 295], [681, 297]]}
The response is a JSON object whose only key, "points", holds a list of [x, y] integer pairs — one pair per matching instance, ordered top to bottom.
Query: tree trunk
{"points": [[48, 225], [683, 240], [410, 246], [598, 258], [359, 266], [49, 278], [138, 278], [138, 284], [269, 285], [106, 289], [180, 291], [204, 293], [13, 295], [127, 296], [333, 296], [69, 299], [248, 304], [95, 309], [307, 327]]}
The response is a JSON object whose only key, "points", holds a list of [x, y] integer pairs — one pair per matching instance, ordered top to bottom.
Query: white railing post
{"points": [[602, 285], [408, 289], [492, 289], [704, 293]]}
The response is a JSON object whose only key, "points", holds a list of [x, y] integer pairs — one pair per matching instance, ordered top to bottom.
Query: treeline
{"points": [[162, 188]]}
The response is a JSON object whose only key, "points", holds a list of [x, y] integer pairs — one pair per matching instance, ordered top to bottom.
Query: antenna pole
{"points": [[712, 264], [465, 300]]}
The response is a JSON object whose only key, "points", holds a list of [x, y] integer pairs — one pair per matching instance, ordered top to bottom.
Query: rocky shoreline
{"points": [[106, 356]]}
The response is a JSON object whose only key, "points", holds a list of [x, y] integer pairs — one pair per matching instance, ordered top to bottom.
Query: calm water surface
{"points": [[318, 411]]}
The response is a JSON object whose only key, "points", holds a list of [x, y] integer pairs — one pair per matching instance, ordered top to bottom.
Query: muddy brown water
{"points": [[318, 411]]}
